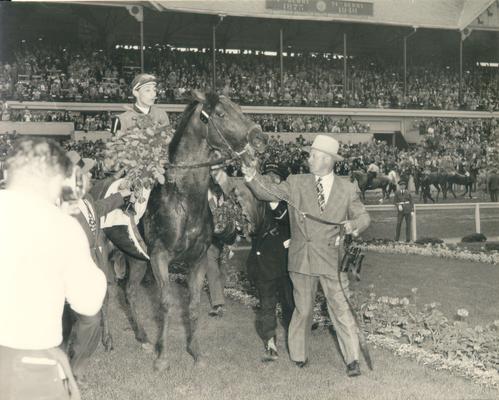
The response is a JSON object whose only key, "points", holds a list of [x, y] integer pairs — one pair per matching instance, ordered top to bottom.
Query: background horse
{"points": [[394, 178], [438, 180], [465, 180], [380, 182], [177, 224]]}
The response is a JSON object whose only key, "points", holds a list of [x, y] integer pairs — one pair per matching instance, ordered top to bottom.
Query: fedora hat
{"points": [[328, 145]]}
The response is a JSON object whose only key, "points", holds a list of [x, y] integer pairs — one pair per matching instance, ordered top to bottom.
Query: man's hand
{"points": [[125, 192], [349, 228]]}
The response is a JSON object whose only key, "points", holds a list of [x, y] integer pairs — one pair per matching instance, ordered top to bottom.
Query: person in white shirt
{"points": [[45, 260]]}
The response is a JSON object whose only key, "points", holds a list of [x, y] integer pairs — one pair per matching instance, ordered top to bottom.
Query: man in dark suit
{"points": [[493, 184], [405, 210], [313, 252], [267, 266], [86, 331]]}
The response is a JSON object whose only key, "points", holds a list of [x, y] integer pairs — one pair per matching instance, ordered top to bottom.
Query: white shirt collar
{"points": [[145, 110]]}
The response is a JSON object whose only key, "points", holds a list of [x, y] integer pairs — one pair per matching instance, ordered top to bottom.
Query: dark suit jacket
{"points": [[493, 182], [313, 249], [268, 259]]}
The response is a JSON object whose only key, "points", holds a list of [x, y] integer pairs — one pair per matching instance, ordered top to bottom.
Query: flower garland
{"points": [[143, 150], [434, 250]]}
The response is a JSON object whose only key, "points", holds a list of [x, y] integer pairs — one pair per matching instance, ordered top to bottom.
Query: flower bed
{"points": [[435, 250], [401, 325]]}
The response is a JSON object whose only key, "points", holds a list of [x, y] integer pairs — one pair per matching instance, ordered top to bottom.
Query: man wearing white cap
{"points": [[145, 93], [313, 252]]}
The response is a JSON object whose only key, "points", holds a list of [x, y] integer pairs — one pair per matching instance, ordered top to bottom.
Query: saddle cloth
{"points": [[118, 217], [121, 226]]}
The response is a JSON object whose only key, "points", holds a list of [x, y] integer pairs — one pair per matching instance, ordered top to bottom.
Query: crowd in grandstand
{"points": [[55, 73]]}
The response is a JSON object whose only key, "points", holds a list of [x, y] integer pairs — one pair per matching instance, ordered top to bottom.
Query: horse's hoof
{"points": [[108, 343], [147, 347], [200, 363], [161, 364]]}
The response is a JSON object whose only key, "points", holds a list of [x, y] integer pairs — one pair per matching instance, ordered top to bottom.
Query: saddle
{"points": [[121, 225]]}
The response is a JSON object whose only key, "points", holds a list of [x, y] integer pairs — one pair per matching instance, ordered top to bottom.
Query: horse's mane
{"points": [[211, 101]]}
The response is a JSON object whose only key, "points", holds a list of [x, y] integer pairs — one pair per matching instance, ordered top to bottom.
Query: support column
{"points": [[142, 46], [214, 59], [281, 66], [345, 66], [405, 67], [460, 69]]}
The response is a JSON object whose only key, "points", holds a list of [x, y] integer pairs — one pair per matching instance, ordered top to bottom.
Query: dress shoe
{"points": [[217, 311], [270, 353], [301, 364], [353, 369]]}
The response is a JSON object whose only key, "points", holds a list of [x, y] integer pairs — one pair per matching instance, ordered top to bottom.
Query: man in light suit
{"points": [[313, 252]]}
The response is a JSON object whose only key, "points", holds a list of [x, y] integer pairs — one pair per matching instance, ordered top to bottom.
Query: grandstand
{"points": [[383, 64]]}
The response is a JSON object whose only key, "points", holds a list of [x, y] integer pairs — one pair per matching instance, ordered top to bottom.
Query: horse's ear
{"points": [[198, 96]]}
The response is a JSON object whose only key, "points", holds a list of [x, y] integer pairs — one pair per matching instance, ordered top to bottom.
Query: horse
{"points": [[394, 178], [438, 180], [465, 180], [380, 182], [177, 225]]}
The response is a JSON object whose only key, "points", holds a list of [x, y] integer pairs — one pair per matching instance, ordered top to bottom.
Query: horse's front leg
{"points": [[160, 260], [137, 270], [196, 279]]}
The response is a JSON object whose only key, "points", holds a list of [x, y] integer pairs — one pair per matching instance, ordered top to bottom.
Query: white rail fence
{"points": [[477, 207]]}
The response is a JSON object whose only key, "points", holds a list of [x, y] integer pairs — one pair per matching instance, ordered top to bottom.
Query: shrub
{"points": [[474, 237], [430, 240], [493, 246]]}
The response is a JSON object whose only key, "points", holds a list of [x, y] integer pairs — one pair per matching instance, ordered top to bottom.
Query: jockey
{"points": [[144, 91], [372, 172]]}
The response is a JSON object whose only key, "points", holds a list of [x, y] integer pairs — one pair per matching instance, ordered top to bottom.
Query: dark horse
{"points": [[438, 180], [465, 180], [380, 182], [177, 224]]}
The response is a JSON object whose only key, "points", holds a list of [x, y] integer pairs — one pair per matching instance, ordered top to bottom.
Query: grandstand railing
{"points": [[365, 112], [476, 207]]}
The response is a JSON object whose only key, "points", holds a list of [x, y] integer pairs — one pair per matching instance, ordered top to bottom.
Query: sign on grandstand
{"points": [[341, 7]]}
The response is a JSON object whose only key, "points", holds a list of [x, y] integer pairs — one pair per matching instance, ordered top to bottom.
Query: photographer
{"points": [[88, 212], [45, 260]]}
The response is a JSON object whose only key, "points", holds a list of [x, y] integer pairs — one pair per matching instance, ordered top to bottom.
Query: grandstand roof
{"points": [[445, 14], [189, 24]]}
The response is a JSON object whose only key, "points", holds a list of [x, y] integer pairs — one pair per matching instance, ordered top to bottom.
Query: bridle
{"points": [[207, 119]]}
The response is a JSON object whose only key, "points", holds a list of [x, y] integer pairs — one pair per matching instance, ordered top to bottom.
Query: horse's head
{"points": [[228, 129]]}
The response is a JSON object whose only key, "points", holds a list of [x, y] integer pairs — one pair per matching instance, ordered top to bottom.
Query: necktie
{"points": [[320, 194], [91, 220]]}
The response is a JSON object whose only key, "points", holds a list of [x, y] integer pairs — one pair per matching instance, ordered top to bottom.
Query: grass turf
{"points": [[233, 348]]}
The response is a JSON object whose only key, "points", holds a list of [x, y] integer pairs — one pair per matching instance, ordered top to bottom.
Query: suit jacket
{"points": [[493, 182], [406, 199], [98, 208], [314, 248], [268, 258]]}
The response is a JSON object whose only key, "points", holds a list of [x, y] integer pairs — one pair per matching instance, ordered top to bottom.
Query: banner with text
{"points": [[350, 8]]}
